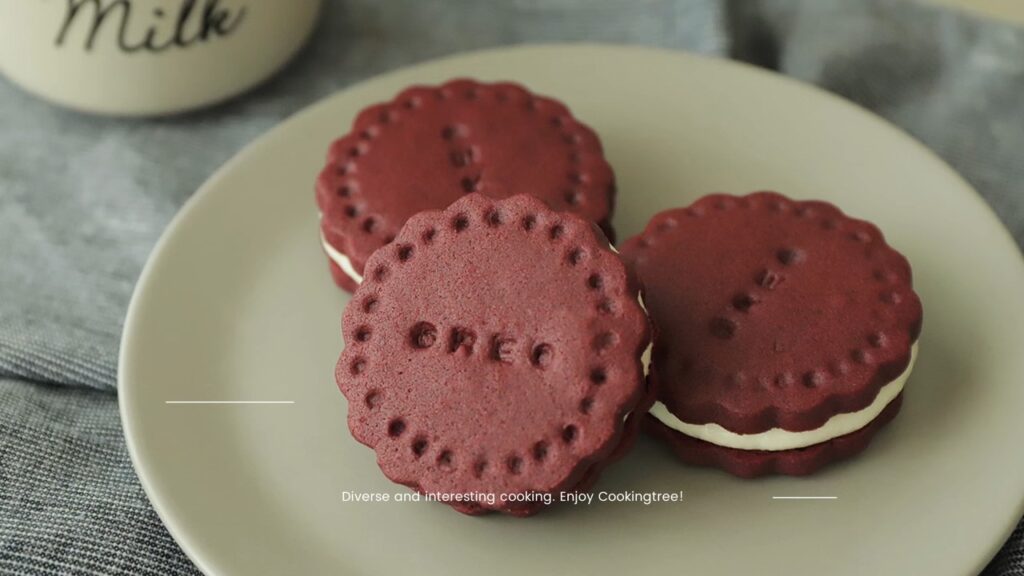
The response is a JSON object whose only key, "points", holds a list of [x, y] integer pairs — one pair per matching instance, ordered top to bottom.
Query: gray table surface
{"points": [[83, 199]]}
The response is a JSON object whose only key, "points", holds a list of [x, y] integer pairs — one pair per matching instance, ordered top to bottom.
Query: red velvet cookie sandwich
{"points": [[431, 145], [785, 331], [493, 351]]}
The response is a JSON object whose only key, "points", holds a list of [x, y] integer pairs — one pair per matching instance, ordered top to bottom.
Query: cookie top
{"points": [[432, 145], [772, 313], [493, 347]]}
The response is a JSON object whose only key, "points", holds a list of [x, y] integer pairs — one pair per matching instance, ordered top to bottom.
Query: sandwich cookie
{"points": [[432, 145], [785, 331], [494, 350]]}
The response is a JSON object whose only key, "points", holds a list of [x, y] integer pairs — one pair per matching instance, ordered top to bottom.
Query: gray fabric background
{"points": [[82, 201]]}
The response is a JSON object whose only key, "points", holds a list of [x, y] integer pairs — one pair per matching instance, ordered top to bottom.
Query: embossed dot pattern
{"points": [[431, 145], [812, 307], [503, 375]]}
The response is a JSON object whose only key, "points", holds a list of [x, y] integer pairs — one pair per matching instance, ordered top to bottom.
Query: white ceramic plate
{"points": [[236, 304]]}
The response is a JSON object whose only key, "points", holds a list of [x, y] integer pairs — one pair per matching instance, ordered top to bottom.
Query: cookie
{"points": [[432, 145], [785, 331], [494, 351], [754, 463]]}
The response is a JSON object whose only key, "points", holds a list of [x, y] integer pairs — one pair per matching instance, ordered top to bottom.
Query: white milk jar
{"points": [[148, 57]]}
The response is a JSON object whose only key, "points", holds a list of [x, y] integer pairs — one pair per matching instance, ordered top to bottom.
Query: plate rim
{"points": [[194, 203]]}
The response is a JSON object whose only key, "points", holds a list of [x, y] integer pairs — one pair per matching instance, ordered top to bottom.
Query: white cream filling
{"points": [[341, 260], [645, 358], [779, 439]]}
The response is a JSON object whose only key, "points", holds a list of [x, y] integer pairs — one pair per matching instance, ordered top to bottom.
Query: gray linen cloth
{"points": [[82, 201]]}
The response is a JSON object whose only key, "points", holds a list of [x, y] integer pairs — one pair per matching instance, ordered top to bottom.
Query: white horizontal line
{"points": [[229, 402], [805, 497]]}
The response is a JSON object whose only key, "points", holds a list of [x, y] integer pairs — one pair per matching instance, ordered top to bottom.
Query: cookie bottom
{"points": [[606, 228], [341, 279], [630, 431], [627, 439], [754, 463]]}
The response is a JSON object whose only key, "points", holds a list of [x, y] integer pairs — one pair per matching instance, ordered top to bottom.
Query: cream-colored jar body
{"points": [[148, 57]]}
